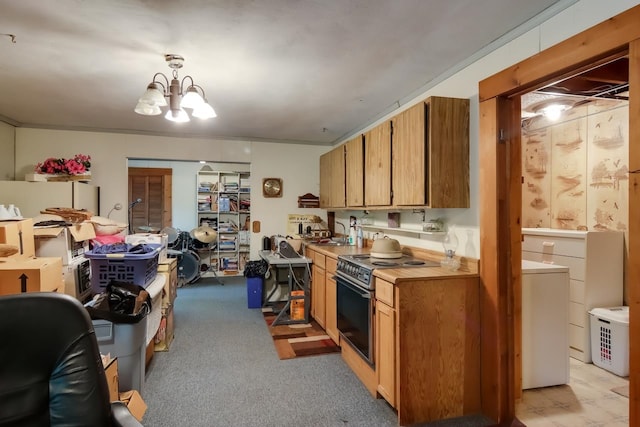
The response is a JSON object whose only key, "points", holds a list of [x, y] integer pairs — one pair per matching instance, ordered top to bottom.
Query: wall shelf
{"points": [[402, 230]]}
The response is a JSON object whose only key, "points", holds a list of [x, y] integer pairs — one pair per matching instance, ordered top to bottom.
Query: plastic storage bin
{"points": [[139, 269], [254, 292], [610, 339], [127, 342]]}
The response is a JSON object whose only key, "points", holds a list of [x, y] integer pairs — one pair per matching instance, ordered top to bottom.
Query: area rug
{"points": [[299, 340], [623, 390]]}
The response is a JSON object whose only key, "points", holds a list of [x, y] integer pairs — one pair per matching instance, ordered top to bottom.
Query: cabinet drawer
{"points": [[555, 245], [319, 260], [331, 265], [576, 265], [576, 291], [384, 292], [577, 314], [576, 337]]}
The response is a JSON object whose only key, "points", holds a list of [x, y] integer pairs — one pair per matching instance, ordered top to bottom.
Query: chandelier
{"points": [[181, 94]]}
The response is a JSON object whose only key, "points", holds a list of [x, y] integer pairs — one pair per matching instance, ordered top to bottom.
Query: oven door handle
{"points": [[357, 289]]}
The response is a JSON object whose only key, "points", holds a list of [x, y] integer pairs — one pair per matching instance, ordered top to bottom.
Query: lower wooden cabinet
{"points": [[331, 293], [318, 295], [427, 341], [386, 352]]}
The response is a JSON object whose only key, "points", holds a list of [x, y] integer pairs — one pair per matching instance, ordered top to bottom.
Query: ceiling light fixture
{"points": [[181, 94]]}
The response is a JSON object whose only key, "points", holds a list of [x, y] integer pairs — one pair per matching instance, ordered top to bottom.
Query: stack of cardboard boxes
{"points": [[23, 272]]}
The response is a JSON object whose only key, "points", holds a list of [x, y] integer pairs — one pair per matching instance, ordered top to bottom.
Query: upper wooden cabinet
{"points": [[431, 154], [354, 161], [377, 165], [332, 178]]}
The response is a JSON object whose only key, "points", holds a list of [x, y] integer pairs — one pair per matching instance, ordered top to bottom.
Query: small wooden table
{"points": [[279, 264]]}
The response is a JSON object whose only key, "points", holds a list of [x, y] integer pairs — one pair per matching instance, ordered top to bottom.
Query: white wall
{"points": [[464, 84], [7, 148], [298, 164]]}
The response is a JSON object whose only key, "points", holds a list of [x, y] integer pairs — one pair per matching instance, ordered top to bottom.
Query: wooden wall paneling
{"points": [[594, 46], [633, 266]]}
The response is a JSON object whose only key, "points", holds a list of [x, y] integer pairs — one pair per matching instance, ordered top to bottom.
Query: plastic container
{"points": [[139, 269], [254, 292], [610, 339], [127, 342]]}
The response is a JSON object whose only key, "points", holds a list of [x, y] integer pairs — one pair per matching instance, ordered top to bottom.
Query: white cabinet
{"points": [[32, 197], [224, 204], [595, 261], [545, 325]]}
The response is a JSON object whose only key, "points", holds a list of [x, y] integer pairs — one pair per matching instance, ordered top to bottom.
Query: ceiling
{"points": [[310, 71]]}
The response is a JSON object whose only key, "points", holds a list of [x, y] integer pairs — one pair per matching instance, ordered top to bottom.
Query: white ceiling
{"points": [[282, 70]]}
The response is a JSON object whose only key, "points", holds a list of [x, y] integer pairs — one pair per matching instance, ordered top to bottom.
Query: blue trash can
{"points": [[254, 292]]}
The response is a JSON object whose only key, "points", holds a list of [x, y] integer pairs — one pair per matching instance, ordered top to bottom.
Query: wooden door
{"points": [[409, 157], [377, 165], [355, 171], [153, 187], [385, 352]]}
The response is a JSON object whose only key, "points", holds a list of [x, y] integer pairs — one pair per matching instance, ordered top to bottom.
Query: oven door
{"points": [[355, 310]]}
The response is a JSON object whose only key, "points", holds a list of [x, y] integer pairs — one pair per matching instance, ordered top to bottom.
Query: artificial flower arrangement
{"points": [[78, 165]]}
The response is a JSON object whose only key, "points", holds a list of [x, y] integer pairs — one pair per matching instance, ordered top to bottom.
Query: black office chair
{"points": [[51, 373]]}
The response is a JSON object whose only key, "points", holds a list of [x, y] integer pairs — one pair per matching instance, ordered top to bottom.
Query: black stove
{"points": [[359, 268]]}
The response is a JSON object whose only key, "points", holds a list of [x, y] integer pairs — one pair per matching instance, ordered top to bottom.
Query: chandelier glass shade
{"points": [[180, 94]]}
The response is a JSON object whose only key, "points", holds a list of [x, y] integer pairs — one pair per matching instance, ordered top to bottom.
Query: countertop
{"points": [[398, 275]]}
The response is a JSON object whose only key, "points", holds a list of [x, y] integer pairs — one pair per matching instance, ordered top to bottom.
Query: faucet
{"points": [[344, 232]]}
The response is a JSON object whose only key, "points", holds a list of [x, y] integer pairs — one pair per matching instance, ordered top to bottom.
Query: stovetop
{"points": [[373, 262], [359, 268]]}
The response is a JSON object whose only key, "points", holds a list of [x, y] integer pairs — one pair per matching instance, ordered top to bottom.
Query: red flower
{"points": [[78, 165]]}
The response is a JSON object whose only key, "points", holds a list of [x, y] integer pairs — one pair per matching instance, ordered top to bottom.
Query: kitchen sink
{"points": [[331, 242]]}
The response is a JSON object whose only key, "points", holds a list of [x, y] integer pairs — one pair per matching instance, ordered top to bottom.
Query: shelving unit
{"points": [[224, 204]]}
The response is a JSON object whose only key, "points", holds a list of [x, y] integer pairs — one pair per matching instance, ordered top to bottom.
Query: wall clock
{"points": [[272, 187]]}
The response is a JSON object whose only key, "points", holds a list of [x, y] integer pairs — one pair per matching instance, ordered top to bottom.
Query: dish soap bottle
{"points": [[352, 235]]}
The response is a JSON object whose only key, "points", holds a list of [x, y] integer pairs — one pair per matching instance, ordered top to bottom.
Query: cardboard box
{"points": [[19, 233], [158, 239], [69, 242], [169, 268], [18, 275], [164, 336], [111, 372], [134, 402]]}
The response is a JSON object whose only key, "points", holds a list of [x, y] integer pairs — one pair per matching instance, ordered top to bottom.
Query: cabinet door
{"points": [[448, 152], [409, 157], [377, 170], [355, 171], [325, 180], [337, 194], [318, 295], [331, 313], [386, 352]]}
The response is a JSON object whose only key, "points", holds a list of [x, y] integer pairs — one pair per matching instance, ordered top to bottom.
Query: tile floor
{"points": [[586, 401]]}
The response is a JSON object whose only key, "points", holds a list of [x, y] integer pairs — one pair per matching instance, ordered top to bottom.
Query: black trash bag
{"points": [[256, 268], [121, 303]]}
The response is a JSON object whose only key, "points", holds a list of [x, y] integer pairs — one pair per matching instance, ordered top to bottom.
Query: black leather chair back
{"points": [[50, 367]]}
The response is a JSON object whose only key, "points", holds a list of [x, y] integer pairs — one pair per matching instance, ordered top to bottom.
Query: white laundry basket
{"points": [[610, 339]]}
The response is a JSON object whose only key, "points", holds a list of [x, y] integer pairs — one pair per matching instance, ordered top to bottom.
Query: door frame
{"points": [[500, 200]]}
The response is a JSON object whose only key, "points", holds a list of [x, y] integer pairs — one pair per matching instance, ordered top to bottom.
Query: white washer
{"points": [[545, 324]]}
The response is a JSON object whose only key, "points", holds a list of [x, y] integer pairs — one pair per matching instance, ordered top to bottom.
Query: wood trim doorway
{"points": [[153, 187], [500, 210]]}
